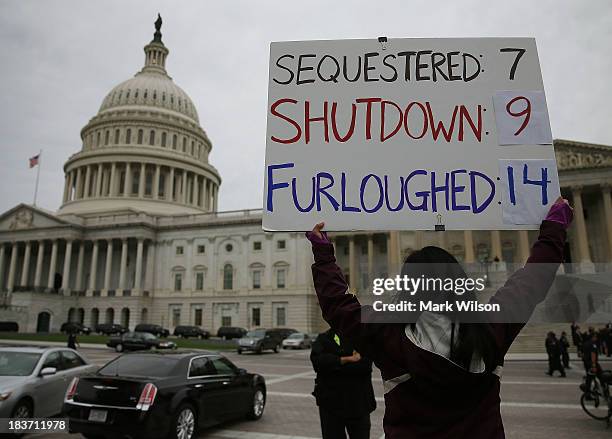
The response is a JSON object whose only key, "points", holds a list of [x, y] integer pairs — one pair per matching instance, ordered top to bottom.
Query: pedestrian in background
{"points": [[577, 338], [72, 340], [564, 345], [553, 349], [590, 358], [343, 388]]}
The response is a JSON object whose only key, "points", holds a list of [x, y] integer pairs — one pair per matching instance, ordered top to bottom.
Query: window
{"points": [[128, 136], [106, 137], [116, 137], [140, 137], [98, 138], [152, 138], [163, 140], [174, 140], [184, 144], [192, 147], [135, 180], [148, 183], [162, 185], [281, 244], [257, 245], [229, 248], [201, 249], [179, 250], [228, 277], [280, 278], [257, 279], [200, 280], [178, 281], [176, 316], [197, 317], [256, 317], [281, 318], [226, 321], [53, 360], [71, 360], [223, 366], [200, 367]]}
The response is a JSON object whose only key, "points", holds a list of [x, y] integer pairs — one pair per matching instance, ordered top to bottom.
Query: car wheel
{"points": [[119, 348], [276, 349], [258, 350], [239, 351], [258, 404], [23, 409], [184, 423]]}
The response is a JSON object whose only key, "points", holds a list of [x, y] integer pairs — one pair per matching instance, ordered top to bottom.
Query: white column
{"points": [[141, 181], [87, 182], [156, 182], [66, 183], [98, 183], [127, 186], [170, 186], [184, 188], [196, 190], [112, 191], [207, 195], [215, 197], [607, 203], [441, 239], [469, 246], [523, 246], [496, 250], [124, 255], [584, 256], [2, 260], [67, 260], [39, 263], [26, 264], [52, 265], [109, 265], [12, 267], [150, 267], [93, 269], [79, 274], [138, 280]]}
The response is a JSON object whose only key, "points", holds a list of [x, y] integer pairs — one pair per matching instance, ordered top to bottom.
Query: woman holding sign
{"points": [[441, 377]]}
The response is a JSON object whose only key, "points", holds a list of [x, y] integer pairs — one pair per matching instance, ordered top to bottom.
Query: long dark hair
{"points": [[471, 337]]}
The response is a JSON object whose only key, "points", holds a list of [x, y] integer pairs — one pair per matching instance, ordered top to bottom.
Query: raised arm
{"points": [[528, 286]]}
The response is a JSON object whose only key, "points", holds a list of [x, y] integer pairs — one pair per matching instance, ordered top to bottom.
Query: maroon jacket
{"points": [[436, 398]]}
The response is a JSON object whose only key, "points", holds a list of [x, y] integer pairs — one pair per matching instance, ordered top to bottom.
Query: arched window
{"points": [[117, 136], [128, 136], [140, 136], [106, 137], [98, 138], [152, 138], [163, 139], [174, 141], [184, 144], [192, 147], [228, 277], [144, 315]]}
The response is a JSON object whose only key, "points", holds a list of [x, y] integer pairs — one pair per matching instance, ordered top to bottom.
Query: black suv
{"points": [[75, 328], [110, 329], [152, 329], [191, 331], [230, 332], [259, 340]]}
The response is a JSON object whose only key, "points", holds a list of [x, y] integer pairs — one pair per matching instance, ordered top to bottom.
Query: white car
{"points": [[297, 340], [33, 380]]}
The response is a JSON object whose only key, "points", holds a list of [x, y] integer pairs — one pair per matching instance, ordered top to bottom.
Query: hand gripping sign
{"points": [[412, 134]]}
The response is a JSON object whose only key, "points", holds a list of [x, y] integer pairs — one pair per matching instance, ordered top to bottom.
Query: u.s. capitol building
{"points": [[138, 237]]}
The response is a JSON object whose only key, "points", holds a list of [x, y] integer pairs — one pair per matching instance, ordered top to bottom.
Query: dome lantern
{"points": [[155, 51]]}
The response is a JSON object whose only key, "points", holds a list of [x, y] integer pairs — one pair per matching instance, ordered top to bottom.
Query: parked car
{"points": [[9, 327], [75, 327], [110, 329], [152, 329], [191, 331], [230, 332], [259, 340], [297, 340], [134, 341], [33, 380], [167, 394]]}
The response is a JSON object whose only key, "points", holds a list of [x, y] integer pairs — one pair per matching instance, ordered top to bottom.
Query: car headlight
{"points": [[4, 396]]}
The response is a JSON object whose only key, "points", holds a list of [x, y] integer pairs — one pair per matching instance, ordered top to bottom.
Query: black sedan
{"points": [[137, 341], [167, 394]]}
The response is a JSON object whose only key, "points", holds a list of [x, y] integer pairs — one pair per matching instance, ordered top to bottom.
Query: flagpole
{"points": [[37, 176]]}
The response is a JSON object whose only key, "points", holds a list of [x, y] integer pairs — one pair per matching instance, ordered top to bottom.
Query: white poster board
{"points": [[407, 135]]}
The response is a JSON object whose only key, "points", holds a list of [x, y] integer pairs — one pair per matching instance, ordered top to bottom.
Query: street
{"points": [[533, 405]]}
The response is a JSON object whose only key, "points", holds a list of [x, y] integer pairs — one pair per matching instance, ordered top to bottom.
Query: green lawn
{"points": [[190, 343]]}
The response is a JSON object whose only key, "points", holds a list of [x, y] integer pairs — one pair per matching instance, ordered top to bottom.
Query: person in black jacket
{"points": [[564, 345], [553, 350], [343, 388]]}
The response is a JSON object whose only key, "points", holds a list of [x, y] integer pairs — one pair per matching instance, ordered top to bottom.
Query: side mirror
{"points": [[46, 371], [242, 371]]}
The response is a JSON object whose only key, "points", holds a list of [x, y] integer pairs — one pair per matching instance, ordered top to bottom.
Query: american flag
{"points": [[34, 160]]}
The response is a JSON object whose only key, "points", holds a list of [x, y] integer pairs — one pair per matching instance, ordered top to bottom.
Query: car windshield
{"points": [[258, 333], [297, 335], [148, 336], [18, 363], [132, 365]]}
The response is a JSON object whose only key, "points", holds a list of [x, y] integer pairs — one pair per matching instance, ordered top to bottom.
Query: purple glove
{"points": [[561, 213], [314, 239]]}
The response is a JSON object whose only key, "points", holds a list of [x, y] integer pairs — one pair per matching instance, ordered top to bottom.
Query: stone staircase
{"points": [[531, 339]]}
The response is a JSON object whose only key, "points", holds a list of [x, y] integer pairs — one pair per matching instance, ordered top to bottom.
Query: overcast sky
{"points": [[60, 58]]}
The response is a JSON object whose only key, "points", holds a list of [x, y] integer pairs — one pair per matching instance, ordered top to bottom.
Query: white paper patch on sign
{"points": [[522, 118], [528, 189]]}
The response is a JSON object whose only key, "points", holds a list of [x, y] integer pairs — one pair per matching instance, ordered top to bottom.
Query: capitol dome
{"points": [[144, 150]]}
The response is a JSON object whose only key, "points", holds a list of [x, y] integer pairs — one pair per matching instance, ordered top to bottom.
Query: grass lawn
{"points": [[190, 343]]}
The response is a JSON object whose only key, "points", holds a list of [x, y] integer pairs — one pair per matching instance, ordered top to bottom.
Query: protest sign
{"points": [[407, 135]]}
